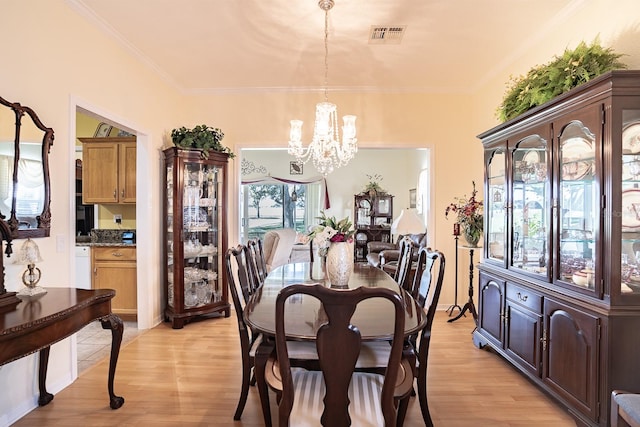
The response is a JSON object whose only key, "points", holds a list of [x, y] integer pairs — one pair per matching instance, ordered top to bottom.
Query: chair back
{"points": [[235, 258], [257, 262], [402, 275], [423, 290], [337, 332]]}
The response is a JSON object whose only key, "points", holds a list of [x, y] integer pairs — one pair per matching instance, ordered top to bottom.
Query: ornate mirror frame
{"points": [[42, 224]]}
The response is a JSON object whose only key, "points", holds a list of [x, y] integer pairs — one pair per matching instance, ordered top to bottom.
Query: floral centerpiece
{"points": [[470, 217], [330, 230]]}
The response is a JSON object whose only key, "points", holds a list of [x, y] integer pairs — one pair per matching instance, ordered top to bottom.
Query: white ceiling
{"points": [[257, 45]]}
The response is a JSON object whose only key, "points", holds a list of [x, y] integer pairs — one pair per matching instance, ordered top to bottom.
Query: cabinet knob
{"points": [[115, 194], [122, 194], [116, 254]]}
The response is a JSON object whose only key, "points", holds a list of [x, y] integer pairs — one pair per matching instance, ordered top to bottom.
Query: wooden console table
{"points": [[36, 324]]}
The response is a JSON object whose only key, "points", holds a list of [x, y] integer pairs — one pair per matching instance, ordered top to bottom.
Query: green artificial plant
{"points": [[544, 82], [201, 137]]}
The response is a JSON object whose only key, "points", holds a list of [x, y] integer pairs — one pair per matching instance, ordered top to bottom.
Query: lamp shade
{"points": [[409, 222], [29, 253]]}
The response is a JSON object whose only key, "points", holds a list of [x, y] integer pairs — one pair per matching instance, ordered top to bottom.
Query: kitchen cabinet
{"points": [[108, 170], [373, 215], [195, 235], [114, 267], [559, 283]]}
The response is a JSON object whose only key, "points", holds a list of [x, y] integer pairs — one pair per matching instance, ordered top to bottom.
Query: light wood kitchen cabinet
{"points": [[108, 170], [114, 267]]}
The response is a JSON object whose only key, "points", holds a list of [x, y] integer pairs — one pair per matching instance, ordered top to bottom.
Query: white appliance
{"points": [[83, 267]]}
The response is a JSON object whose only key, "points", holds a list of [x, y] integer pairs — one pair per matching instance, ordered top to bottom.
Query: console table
{"points": [[36, 324]]}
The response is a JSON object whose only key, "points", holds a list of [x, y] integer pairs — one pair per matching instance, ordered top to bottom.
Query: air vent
{"points": [[386, 35]]}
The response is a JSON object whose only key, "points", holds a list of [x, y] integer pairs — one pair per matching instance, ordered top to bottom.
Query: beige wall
{"points": [[59, 61]]}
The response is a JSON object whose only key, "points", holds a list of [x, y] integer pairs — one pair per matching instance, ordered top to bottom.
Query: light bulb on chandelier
{"points": [[326, 151]]}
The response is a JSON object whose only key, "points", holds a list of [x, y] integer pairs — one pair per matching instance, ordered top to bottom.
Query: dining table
{"points": [[374, 318]]}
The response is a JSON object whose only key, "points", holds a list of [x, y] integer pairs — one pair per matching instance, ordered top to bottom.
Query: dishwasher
{"points": [[83, 267]]}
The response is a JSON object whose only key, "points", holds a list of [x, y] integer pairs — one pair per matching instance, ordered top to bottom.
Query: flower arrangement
{"points": [[469, 213], [330, 230]]}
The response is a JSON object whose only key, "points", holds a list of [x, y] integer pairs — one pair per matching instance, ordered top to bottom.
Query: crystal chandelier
{"points": [[326, 150]]}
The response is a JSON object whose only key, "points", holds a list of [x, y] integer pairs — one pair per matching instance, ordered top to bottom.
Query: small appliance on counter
{"points": [[129, 237]]}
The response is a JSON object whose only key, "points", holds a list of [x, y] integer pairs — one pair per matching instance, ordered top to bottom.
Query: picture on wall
{"points": [[295, 168], [412, 198]]}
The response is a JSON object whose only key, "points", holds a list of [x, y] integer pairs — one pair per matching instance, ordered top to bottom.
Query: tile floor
{"points": [[94, 343]]}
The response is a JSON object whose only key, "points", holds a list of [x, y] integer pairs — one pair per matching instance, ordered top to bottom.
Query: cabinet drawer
{"points": [[114, 253], [524, 297]]}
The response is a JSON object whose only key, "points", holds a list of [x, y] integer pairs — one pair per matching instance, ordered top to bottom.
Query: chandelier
{"points": [[326, 150]]}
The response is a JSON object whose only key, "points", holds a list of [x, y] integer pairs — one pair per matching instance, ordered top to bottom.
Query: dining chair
{"points": [[258, 263], [402, 274], [239, 276], [427, 285], [425, 289], [338, 395], [625, 409]]}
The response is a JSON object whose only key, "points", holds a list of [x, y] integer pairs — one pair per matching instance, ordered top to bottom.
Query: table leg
{"points": [[114, 323], [263, 352], [45, 397]]}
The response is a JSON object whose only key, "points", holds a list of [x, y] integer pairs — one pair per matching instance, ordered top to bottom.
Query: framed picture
{"points": [[103, 130], [295, 168], [412, 198]]}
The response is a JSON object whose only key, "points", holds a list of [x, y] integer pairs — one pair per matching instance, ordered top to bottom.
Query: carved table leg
{"points": [[114, 323], [45, 397]]}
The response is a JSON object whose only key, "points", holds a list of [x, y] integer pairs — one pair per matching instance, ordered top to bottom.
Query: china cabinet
{"points": [[108, 170], [372, 220], [195, 236], [559, 287]]}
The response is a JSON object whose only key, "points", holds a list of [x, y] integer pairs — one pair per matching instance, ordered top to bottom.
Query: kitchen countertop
{"points": [[115, 244]]}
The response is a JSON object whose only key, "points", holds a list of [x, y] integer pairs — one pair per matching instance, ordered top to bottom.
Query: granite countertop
{"points": [[107, 237], [93, 244]]}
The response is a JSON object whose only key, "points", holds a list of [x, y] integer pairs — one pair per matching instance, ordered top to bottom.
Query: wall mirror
{"points": [[24, 171]]}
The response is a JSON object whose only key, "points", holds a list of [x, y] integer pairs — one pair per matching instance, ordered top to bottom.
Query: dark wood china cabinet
{"points": [[373, 214], [195, 236], [559, 283]]}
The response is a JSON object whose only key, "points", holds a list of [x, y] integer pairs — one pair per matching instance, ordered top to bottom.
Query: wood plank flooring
{"points": [[191, 377]]}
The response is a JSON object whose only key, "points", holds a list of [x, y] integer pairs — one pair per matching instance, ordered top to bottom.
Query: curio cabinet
{"points": [[195, 236]]}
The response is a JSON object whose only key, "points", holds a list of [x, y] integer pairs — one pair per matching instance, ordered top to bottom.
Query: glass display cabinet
{"points": [[195, 237], [559, 282]]}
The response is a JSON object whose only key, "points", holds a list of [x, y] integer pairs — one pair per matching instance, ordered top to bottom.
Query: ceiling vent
{"points": [[386, 35]]}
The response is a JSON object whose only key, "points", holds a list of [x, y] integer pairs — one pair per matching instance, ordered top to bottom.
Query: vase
{"points": [[472, 236], [339, 264]]}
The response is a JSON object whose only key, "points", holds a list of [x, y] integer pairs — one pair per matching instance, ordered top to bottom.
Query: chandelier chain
{"points": [[326, 55]]}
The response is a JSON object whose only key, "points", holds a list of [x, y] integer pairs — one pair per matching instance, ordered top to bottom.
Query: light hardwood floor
{"points": [[191, 377]]}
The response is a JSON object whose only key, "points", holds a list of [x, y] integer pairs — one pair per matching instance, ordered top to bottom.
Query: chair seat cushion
{"points": [[374, 354], [364, 394], [629, 403]]}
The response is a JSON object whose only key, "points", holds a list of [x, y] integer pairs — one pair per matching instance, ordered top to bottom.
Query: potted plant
{"points": [[544, 82], [201, 137], [373, 187]]}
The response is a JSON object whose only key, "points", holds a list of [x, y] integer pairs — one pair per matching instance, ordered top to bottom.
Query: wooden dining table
{"points": [[374, 318]]}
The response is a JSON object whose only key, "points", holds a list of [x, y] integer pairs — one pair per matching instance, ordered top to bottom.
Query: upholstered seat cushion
{"points": [[277, 246], [364, 394], [630, 404]]}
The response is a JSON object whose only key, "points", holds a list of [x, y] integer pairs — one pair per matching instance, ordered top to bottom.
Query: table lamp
{"points": [[409, 222], [28, 255]]}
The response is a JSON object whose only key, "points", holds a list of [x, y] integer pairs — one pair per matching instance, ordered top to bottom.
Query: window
{"points": [[267, 206]]}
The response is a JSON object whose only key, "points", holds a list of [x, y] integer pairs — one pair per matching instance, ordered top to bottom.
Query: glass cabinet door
{"points": [[578, 205], [495, 206], [530, 206], [630, 209], [201, 223], [193, 264]]}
